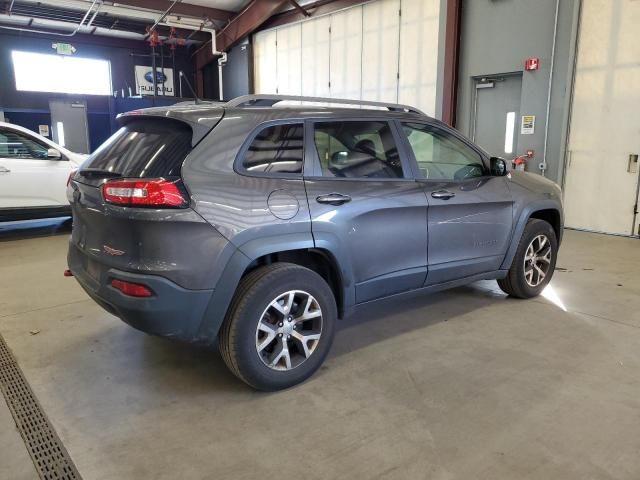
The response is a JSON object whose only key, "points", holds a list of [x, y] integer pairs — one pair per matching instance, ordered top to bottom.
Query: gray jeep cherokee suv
{"points": [[260, 224]]}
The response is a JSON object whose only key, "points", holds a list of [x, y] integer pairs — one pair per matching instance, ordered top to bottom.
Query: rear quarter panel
{"points": [[257, 214]]}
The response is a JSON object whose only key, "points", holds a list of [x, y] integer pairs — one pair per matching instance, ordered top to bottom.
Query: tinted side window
{"points": [[18, 145], [276, 149], [357, 149], [440, 155]]}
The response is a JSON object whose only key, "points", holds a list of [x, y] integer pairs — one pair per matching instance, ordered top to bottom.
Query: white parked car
{"points": [[33, 175]]}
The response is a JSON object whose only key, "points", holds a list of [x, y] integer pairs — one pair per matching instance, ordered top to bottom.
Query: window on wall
{"points": [[38, 72]]}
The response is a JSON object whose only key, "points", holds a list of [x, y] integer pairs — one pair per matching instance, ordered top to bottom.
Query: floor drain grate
{"points": [[49, 455]]}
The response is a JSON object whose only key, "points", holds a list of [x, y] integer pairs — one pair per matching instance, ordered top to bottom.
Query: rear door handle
{"points": [[4, 169], [443, 194], [333, 198]]}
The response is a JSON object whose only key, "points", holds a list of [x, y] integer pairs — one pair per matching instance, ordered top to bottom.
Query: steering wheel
{"points": [[431, 170]]}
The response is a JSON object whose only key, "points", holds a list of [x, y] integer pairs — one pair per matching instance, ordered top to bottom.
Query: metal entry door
{"points": [[497, 112], [69, 124], [601, 169]]}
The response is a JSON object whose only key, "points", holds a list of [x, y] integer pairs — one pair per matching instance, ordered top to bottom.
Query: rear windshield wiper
{"points": [[98, 172]]}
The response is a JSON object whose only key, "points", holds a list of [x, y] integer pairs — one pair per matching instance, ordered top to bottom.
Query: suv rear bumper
{"points": [[173, 311]]}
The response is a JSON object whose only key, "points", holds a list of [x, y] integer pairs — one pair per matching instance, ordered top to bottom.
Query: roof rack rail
{"points": [[266, 100]]}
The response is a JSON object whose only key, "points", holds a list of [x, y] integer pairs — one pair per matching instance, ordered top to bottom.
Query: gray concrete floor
{"points": [[459, 385]]}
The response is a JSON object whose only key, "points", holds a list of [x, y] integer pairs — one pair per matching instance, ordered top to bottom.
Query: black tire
{"points": [[515, 283], [237, 336]]}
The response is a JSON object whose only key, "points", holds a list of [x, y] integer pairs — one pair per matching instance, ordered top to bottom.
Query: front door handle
{"points": [[4, 169], [443, 194], [333, 198]]}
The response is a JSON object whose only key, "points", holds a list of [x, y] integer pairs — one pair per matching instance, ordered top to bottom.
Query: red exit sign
{"points": [[532, 64]]}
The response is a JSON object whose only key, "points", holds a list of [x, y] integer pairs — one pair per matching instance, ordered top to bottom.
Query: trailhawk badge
{"points": [[112, 251]]}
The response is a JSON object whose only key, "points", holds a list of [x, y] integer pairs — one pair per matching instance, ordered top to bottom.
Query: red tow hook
{"points": [[68, 273]]}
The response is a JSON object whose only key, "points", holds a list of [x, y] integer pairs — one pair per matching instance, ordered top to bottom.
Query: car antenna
{"points": [[183, 76]]}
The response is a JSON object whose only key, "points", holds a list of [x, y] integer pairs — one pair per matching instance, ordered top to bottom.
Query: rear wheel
{"points": [[534, 262], [279, 327]]}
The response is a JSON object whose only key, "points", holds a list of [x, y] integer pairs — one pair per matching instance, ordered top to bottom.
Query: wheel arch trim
{"points": [[525, 216], [253, 250]]}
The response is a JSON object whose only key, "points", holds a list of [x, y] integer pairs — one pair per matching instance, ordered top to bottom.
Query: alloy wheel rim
{"points": [[537, 260], [289, 330]]}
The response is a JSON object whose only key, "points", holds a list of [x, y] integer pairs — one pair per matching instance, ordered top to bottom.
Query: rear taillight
{"points": [[73, 172], [156, 192], [131, 289]]}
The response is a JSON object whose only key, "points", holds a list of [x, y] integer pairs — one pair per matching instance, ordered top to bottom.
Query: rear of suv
{"points": [[259, 225]]}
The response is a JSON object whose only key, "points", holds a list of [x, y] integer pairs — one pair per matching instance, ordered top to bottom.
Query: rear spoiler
{"points": [[201, 120]]}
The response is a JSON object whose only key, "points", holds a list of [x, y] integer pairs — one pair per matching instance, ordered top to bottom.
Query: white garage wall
{"points": [[380, 36], [385, 50], [418, 53], [346, 54], [315, 57], [264, 58], [288, 59], [600, 189]]}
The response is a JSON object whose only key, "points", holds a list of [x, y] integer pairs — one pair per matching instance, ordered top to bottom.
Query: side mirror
{"points": [[54, 154], [498, 166]]}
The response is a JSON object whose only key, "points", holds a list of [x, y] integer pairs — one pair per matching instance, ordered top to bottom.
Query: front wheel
{"points": [[534, 262], [280, 326]]}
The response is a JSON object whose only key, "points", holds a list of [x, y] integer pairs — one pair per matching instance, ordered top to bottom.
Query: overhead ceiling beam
{"points": [[297, 6], [320, 7], [180, 8], [254, 15]]}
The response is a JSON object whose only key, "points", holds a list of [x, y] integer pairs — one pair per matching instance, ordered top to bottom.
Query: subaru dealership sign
{"points": [[164, 81]]}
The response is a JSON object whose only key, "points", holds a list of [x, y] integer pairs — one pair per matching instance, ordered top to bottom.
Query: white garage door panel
{"points": [[381, 24], [419, 26], [264, 51], [357, 53], [346, 54], [315, 57], [289, 60], [600, 192]]}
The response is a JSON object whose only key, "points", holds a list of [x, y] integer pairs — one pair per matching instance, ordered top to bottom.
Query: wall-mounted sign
{"points": [[64, 48], [532, 64], [164, 81], [528, 126], [43, 130]]}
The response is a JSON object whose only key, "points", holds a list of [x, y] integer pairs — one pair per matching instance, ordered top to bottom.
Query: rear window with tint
{"points": [[144, 148]]}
